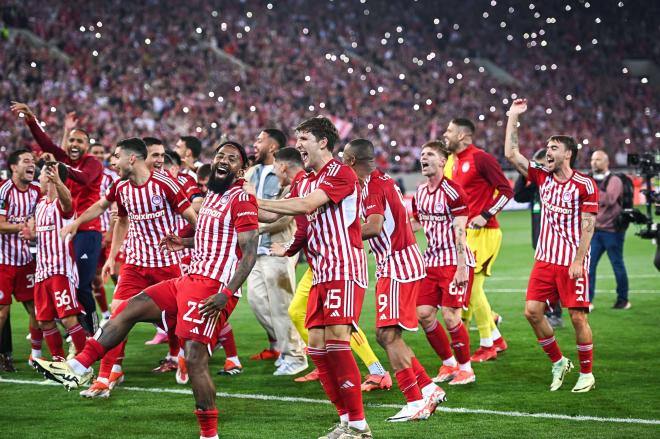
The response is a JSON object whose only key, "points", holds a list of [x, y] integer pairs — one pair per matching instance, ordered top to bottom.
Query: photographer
{"points": [[608, 236]]}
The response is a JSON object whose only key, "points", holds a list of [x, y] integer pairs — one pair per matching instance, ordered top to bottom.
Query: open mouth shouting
{"points": [[74, 152], [29, 172]]}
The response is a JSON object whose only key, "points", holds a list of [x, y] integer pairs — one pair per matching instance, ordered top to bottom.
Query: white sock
{"points": [[495, 334], [486, 342], [36, 353], [182, 354], [234, 360], [559, 361], [451, 362], [76, 366], [466, 366], [116, 368], [376, 368], [105, 381], [428, 390], [417, 404], [343, 419], [358, 425]]}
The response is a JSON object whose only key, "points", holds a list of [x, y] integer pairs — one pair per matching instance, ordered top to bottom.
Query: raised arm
{"points": [[45, 142], [511, 147]]}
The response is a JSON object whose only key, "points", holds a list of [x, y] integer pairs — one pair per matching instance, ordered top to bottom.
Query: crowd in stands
{"points": [[395, 72]]}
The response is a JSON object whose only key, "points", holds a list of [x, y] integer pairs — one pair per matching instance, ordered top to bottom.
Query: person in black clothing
{"points": [[525, 192]]}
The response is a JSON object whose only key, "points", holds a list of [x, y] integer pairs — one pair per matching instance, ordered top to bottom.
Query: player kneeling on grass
{"points": [[569, 203], [225, 245], [400, 269], [56, 274]]}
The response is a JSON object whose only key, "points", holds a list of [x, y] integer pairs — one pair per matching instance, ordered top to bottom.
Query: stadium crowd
{"points": [[396, 78]]}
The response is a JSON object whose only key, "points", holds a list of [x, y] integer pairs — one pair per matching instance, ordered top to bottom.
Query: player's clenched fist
{"points": [[518, 106]]}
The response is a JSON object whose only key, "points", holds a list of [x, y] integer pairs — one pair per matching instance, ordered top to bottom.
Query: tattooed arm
{"points": [[511, 147], [588, 227], [461, 275]]}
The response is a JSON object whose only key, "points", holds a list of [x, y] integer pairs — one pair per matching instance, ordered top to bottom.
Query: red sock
{"points": [[99, 294], [77, 334], [36, 335], [437, 336], [227, 341], [460, 341], [54, 342], [551, 348], [91, 353], [585, 354], [111, 358], [320, 359], [347, 376], [423, 379], [408, 384], [208, 422]]}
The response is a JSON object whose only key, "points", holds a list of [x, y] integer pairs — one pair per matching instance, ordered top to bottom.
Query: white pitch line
{"points": [[496, 278], [523, 290], [376, 405]]}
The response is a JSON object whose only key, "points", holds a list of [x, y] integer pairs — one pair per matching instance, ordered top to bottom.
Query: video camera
{"points": [[647, 165]]}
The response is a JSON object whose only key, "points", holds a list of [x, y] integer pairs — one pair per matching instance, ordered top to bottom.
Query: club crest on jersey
{"points": [[465, 167], [566, 197], [224, 199], [157, 200]]}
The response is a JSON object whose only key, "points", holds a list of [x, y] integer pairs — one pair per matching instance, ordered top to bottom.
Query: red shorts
{"points": [[133, 279], [16, 280], [549, 282], [438, 290], [55, 297], [182, 297], [338, 302], [396, 303]]}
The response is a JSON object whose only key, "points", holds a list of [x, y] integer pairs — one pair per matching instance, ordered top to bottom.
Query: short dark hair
{"points": [[465, 123], [321, 128], [81, 130], [277, 135], [152, 141], [569, 143], [193, 144], [93, 145], [135, 145], [238, 146], [438, 146], [364, 149], [15, 155], [289, 155], [172, 158], [62, 171], [204, 171]]}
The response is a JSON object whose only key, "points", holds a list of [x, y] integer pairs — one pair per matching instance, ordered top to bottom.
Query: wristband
{"points": [[487, 215], [227, 292]]}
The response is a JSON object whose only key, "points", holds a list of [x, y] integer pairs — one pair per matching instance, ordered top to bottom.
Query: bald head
{"points": [[600, 163]]}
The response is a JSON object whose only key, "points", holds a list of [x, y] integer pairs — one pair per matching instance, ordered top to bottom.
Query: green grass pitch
{"points": [[626, 365]]}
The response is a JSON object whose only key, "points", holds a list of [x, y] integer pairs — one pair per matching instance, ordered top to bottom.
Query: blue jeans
{"points": [[612, 242], [87, 246]]}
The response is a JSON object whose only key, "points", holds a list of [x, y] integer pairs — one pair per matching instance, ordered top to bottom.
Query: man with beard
{"points": [[84, 182], [487, 191], [148, 203], [561, 267], [272, 282], [200, 302]]}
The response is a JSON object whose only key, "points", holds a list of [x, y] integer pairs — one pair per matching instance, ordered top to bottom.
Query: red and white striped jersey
{"points": [[109, 177], [191, 191], [562, 205], [17, 207], [151, 210], [435, 210], [221, 218], [334, 238], [396, 251], [54, 254]]}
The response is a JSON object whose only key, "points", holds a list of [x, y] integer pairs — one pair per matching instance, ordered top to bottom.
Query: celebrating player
{"points": [[487, 191], [330, 197], [18, 200], [440, 207], [225, 251], [400, 268], [561, 269], [56, 275]]}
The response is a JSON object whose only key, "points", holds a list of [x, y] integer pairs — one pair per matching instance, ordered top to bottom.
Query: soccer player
{"points": [[189, 148], [203, 174], [109, 178], [84, 182], [487, 191], [330, 197], [18, 200], [147, 203], [440, 206], [225, 252], [561, 267], [400, 269], [56, 275]]}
